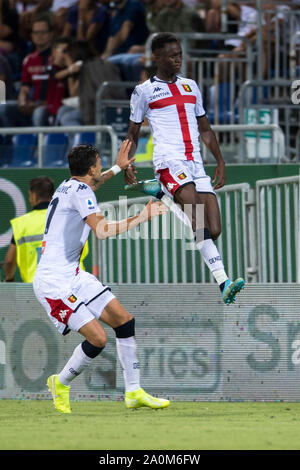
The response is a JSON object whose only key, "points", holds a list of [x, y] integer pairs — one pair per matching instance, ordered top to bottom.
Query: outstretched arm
{"points": [[209, 138], [122, 163], [104, 229]]}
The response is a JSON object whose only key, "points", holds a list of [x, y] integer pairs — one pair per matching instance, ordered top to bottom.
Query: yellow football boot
{"points": [[60, 394], [140, 398]]}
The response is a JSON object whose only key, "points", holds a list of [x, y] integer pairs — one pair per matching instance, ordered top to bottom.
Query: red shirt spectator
{"points": [[36, 73]]}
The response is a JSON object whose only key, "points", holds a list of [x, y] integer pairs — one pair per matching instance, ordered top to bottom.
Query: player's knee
{"points": [[215, 232], [126, 330], [98, 339], [90, 349]]}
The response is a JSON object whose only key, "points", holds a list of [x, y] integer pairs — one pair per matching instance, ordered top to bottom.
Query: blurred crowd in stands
{"points": [[46, 44]]}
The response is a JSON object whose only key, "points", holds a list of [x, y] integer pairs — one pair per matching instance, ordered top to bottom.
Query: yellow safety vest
{"points": [[144, 151], [28, 230]]}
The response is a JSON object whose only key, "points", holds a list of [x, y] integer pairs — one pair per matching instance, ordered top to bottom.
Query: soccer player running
{"points": [[75, 299]]}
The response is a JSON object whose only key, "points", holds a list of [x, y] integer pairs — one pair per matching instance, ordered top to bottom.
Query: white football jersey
{"points": [[171, 110], [66, 230]]}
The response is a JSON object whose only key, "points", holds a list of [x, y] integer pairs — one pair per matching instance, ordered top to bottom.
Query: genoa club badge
{"points": [[187, 88]]}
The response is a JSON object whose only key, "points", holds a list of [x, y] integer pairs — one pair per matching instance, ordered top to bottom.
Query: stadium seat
{"points": [[224, 110], [84, 138], [6, 150], [23, 150], [55, 150]]}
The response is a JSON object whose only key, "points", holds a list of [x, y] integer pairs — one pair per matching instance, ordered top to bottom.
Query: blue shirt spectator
{"points": [[88, 21], [127, 26]]}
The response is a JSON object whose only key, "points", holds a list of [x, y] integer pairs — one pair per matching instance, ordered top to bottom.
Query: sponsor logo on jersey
{"points": [[187, 88], [156, 89], [160, 95], [182, 176], [170, 186], [90, 204], [72, 298], [59, 310], [63, 314]]}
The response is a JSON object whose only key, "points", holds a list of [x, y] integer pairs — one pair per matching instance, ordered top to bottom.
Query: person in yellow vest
{"points": [[144, 151], [25, 248]]}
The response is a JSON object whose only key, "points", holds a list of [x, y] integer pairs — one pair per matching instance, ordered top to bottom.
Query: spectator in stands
{"points": [[152, 7], [34, 9], [60, 9], [177, 17], [246, 18], [88, 21], [213, 21], [8, 26], [277, 26], [128, 28], [75, 55], [6, 77], [34, 80], [57, 86]]}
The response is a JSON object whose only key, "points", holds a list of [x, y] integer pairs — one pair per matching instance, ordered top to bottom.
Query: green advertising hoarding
{"points": [[14, 184]]}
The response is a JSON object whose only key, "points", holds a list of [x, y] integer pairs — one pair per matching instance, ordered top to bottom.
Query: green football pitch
{"points": [[36, 425]]}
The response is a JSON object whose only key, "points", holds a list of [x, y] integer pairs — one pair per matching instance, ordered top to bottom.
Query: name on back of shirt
{"points": [[64, 189]]}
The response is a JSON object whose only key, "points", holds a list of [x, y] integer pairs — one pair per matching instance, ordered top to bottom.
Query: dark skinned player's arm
{"points": [[133, 136], [209, 138]]}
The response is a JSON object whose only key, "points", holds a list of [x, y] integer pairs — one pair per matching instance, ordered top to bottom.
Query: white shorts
{"points": [[182, 172], [70, 305]]}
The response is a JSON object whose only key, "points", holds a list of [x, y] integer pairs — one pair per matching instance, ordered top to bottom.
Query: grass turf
{"points": [[36, 425]]}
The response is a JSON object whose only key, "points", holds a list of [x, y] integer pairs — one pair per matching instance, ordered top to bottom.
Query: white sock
{"points": [[207, 248], [213, 260], [126, 348], [75, 365]]}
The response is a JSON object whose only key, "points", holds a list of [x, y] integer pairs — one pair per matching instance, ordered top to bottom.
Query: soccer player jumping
{"points": [[174, 110], [75, 299]]}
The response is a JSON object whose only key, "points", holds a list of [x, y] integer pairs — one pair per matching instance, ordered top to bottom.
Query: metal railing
{"points": [[276, 39], [191, 53], [295, 56], [275, 96], [114, 112], [42, 131], [239, 152], [242, 154], [278, 224], [260, 239], [163, 250]]}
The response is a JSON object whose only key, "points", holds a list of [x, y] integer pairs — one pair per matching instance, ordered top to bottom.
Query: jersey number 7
{"points": [[53, 203]]}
